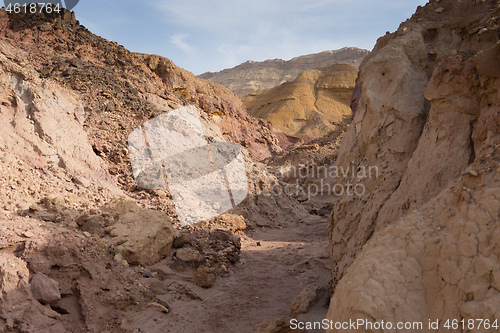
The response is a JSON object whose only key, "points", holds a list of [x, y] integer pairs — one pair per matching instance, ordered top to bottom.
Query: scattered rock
{"points": [[110, 107], [314, 146], [82, 181], [23, 206], [82, 219], [229, 222], [93, 227], [28, 234], [144, 236], [182, 240], [418, 243], [188, 255], [118, 257], [205, 277], [45, 289], [305, 300], [158, 307], [281, 325]]}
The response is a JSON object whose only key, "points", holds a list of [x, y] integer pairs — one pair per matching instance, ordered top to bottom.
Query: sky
{"points": [[211, 35]]}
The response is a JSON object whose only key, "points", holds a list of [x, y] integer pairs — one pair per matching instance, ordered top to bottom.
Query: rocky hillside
{"points": [[252, 76], [111, 81], [311, 105], [422, 241], [83, 249]]}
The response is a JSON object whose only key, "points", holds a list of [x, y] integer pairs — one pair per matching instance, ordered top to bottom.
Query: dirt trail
{"points": [[261, 286]]}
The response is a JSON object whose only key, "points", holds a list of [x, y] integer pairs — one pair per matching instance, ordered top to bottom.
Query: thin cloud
{"points": [[179, 40]]}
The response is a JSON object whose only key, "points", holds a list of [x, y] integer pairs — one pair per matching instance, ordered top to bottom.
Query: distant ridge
{"points": [[252, 76]]}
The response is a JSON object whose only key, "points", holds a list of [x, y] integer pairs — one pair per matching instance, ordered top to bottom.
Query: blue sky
{"points": [[210, 35]]}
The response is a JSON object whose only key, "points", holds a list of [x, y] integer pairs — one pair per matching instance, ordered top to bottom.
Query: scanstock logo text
{"points": [[205, 178]]}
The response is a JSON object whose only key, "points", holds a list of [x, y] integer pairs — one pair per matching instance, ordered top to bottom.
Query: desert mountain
{"points": [[252, 76], [309, 106], [422, 242]]}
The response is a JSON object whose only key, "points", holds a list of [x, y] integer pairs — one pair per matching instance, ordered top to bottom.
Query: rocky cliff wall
{"points": [[420, 242]]}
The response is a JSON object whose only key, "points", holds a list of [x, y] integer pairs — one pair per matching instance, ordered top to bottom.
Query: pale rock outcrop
{"points": [[43, 122], [144, 236]]}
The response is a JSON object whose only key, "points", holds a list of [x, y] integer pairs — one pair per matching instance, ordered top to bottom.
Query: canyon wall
{"points": [[422, 243]]}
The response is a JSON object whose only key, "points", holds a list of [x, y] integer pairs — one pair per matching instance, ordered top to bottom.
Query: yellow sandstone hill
{"points": [[311, 105]]}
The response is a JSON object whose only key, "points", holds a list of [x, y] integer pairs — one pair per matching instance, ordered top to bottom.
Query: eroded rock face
{"points": [[225, 109], [428, 119], [43, 122]]}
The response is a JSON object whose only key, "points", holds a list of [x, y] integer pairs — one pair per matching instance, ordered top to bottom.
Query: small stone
{"points": [[439, 10], [482, 31], [110, 107], [474, 173], [82, 181], [161, 194], [23, 206], [35, 208], [82, 219], [93, 227], [113, 233], [28, 234], [87, 234], [181, 240], [188, 254], [118, 257], [205, 277], [45, 289], [305, 300], [162, 302], [158, 307], [281, 325]]}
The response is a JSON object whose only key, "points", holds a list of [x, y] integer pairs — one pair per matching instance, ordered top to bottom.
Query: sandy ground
{"points": [[261, 286]]}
